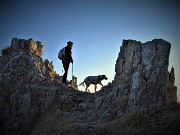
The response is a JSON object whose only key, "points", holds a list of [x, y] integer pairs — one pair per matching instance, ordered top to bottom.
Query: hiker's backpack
{"points": [[61, 54]]}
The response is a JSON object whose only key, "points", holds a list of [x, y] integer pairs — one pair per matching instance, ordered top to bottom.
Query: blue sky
{"points": [[97, 28]]}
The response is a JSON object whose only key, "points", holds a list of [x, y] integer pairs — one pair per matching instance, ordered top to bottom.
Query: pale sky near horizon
{"points": [[97, 28]]}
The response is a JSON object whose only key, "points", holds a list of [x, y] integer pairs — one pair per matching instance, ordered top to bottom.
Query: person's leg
{"points": [[66, 67]]}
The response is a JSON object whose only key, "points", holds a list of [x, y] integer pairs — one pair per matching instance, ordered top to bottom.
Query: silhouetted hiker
{"points": [[66, 57]]}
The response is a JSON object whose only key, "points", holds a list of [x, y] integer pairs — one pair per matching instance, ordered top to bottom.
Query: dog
{"points": [[93, 80]]}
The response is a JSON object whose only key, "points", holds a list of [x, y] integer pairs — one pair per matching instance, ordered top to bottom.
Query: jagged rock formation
{"points": [[142, 75], [142, 82], [29, 87], [171, 89]]}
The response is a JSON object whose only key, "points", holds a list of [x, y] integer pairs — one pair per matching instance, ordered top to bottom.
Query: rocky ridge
{"points": [[142, 82], [30, 87]]}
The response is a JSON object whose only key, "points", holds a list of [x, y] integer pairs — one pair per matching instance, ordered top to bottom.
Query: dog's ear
{"points": [[99, 77]]}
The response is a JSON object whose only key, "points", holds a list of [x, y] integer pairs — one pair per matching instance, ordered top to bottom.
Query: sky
{"points": [[97, 28]]}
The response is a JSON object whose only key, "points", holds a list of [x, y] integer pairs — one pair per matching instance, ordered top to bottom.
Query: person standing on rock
{"points": [[65, 54]]}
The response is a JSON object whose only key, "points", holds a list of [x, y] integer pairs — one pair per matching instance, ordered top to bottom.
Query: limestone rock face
{"points": [[26, 46], [141, 80], [27, 85]]}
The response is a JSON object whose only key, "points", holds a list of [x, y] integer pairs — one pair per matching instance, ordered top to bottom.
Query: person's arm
{"points": [[68, 54]]}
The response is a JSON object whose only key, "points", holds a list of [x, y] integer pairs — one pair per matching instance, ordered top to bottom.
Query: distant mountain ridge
{"points": [[30, 87]]}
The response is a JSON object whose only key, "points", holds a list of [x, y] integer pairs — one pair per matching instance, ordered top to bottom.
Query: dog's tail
{"points": [[81, 84]]}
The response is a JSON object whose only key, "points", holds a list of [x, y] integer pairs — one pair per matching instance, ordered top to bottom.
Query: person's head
{"points": [[70, 44]]}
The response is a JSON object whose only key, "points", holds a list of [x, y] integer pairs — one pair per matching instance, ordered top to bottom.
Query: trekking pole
{"points": [[72, 71]]}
